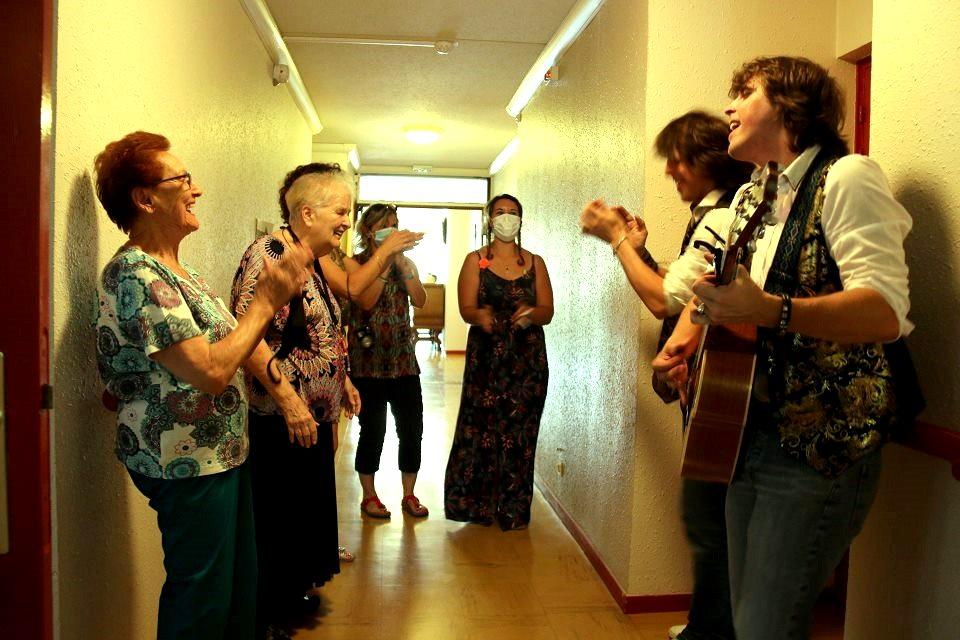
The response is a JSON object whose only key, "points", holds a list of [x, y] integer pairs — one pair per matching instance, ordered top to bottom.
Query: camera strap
{"points": [[295, 333]]}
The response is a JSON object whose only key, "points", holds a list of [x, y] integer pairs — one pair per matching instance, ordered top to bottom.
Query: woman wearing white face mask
{"points": [[504, 293], [383, 363]]}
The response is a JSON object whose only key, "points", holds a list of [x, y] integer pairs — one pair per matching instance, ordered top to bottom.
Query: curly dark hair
{"points": [[808, 100], [699, 140], [123, 165], [313, 168]]}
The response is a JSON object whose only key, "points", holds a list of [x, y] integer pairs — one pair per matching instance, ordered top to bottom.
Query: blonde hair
{"points": [[311, 184]]}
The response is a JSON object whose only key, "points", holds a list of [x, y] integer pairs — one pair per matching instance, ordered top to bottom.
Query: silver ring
{"points": [[702, 309]]}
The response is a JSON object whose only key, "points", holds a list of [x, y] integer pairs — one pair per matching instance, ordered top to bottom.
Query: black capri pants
{"points": [[406, 403]]}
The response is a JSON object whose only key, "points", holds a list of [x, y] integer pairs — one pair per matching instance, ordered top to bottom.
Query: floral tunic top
{"points": [[392, 353], [317, 372], [166, 428]]}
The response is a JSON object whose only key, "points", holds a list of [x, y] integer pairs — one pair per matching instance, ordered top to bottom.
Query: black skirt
{"points": [[295, 511]]}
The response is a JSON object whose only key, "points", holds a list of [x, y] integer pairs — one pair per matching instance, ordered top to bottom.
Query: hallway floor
{"points": [[437, 579]]}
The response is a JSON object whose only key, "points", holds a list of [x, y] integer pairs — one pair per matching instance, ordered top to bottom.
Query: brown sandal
{"points": [[411, 506], [383, 514]]}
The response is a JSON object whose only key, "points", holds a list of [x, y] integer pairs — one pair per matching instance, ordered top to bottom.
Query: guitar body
{"points": [[721, 375], [719, 394]]}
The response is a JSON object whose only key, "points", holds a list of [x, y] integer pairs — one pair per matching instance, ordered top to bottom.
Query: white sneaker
{"points": [[675, 630]]}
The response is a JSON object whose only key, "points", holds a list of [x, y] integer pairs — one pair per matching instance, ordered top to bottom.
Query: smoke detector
{"points": [[443, 47]]}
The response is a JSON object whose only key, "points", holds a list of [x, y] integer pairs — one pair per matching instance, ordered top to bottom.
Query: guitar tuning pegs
{"points": [[769, 219], [761, 232], [752, 246]]}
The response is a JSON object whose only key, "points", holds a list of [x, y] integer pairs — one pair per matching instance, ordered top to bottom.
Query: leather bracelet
{"points": [[616, 247], [786, 311]]}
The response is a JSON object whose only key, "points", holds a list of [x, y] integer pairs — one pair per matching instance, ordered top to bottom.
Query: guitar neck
{"points": [[728, 265]]}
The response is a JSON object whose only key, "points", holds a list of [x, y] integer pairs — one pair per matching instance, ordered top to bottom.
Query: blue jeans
{"points": [[206, 525], [788, 526], [710, 616]]}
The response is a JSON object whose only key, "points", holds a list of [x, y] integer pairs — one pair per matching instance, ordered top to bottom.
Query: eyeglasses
{"points": [[184, 179]]}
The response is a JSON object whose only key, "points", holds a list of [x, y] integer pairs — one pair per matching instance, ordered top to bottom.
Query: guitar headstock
{"points": [[745, 233]]}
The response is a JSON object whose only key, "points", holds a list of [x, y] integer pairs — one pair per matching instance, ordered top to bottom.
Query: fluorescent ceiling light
{"points": [[570, 29], [441, 47], [422, 135], [504, 156]]}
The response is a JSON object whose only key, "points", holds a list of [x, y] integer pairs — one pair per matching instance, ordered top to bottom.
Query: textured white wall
{"points": [[854, 25], [636, 67], [196, 72], [579, 139], [904, 566]]}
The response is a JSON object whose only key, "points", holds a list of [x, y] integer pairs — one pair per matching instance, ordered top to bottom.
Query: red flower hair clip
{"points": [[484, 263]]}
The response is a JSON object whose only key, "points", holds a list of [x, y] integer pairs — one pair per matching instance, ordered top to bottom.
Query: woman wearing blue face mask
{"points": [[505, 294], [383, 362]]}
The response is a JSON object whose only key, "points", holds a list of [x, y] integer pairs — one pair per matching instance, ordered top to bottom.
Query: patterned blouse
{"points": [[392, 353], [318, 372], [166, 428]]}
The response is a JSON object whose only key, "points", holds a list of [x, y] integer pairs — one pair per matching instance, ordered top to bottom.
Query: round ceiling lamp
{"points": [[422, 135]]}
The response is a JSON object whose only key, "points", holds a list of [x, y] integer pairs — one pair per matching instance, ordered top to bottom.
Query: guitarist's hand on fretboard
{"points": [[740, 302]]}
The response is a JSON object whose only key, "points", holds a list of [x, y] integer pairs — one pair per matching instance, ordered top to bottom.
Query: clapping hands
{"points": [[611, 223]]}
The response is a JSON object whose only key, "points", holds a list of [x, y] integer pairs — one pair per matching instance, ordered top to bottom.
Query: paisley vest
{"points": [[832, 403]]}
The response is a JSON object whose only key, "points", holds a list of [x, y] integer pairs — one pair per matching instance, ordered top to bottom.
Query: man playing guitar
{"points": [[827, 286]]}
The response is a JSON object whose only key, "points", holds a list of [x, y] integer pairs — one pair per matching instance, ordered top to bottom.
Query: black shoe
{"points": [[275, 632]]}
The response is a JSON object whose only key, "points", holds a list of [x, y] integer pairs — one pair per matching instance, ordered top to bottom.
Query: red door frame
{"points": [[861, 141], [26, 597]]}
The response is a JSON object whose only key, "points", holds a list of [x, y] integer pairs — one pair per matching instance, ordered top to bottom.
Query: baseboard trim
{"points": [[454, 352], [628, 602]]}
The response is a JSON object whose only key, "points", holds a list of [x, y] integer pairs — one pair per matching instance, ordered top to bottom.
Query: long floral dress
{"points": [[490, 470]]}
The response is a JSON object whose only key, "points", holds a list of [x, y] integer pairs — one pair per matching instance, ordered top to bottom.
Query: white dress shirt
{"points": [[863, 225], [684, 271]]}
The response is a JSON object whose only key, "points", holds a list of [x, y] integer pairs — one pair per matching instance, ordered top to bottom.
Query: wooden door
{"points": [[26, 602]]}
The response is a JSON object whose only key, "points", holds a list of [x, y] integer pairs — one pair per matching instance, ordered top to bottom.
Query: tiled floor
{"points": [[437, 579]]}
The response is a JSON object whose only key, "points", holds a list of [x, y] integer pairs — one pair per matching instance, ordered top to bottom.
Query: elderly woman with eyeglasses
{"points": [[171, 354]]}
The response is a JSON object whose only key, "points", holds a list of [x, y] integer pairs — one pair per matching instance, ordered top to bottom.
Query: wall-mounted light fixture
{"points": [[570, 29], [504, 156], [354, 158]]}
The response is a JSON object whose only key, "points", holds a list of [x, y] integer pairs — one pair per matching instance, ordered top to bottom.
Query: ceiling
{"points": [[367, 95]]}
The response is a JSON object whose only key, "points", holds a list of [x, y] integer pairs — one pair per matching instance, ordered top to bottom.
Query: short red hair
{"points": [[123, 165]]}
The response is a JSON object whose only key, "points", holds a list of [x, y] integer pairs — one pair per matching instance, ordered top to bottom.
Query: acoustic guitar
{"points": [[721, 373]]}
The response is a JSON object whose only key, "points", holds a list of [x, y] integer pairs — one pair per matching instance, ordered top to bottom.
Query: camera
{"points": [[364, 336]]}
